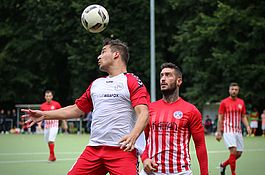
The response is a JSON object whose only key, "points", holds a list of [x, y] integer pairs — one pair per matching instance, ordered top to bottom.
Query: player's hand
{"points": [[33, 116], [218, 136], [127, 142], [149, 166]]}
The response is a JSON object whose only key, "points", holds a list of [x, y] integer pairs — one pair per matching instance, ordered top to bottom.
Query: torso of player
{"points": [[48, 107], [232, 110], [113, 115], [263, 119], [170, 127]]}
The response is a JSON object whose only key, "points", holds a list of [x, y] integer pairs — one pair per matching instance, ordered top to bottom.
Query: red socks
{"points": [[51, 148], [232, 162]]}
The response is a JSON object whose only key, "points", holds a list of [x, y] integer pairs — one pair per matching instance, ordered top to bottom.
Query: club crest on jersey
{"points": [[118, 86], [239, 106], [52, 107], [178, 114]]}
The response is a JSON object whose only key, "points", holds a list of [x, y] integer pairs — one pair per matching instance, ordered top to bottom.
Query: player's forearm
{"points": [[63, 113], [245, 121], [219, 123], [201, 152]]}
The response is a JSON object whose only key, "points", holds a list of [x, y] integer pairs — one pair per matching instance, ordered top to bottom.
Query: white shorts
{"points": [[254, 124], [263, 127], [50, 134], [234, 140], [154, 173]]}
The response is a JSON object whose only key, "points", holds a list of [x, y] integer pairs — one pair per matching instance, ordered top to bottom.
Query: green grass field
{"points": [[28, 154]]}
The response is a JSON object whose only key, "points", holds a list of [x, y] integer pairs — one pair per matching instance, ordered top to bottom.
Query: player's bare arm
{"points": [[35, 116], [245, 122], [218, 134], [128, 141]]}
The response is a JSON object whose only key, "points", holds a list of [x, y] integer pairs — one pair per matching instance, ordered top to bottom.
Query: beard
{"points": [[170, 91]]}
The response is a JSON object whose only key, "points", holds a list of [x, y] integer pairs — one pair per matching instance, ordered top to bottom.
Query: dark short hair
{"points": [[118, 45], [172, 66], [233, 84], [48, 91]]}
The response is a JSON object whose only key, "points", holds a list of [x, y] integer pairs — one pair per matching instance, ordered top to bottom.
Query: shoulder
{"points": [[133, 79]]}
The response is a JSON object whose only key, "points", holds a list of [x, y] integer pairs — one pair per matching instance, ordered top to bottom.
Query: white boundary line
{"points": [[71, 153]]}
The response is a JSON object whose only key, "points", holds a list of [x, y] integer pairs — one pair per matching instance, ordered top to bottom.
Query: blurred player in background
{"points": [[119, 105], [232, 111], [254, 119], [172, 123], [263, 123], [50, 126]]}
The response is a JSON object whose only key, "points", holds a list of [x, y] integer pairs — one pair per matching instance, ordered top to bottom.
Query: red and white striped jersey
{"points": [[112, 100], [48, 107], [233, 111], [170, 129]]}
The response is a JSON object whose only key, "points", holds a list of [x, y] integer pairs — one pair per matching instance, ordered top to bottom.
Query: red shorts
{"points": [[99, 160]]}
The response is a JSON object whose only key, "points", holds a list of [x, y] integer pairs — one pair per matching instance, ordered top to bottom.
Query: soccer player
{"points": [[119, 105], [231, 112], [254, 117], [263, 122], [171, 124], [50, 126]]}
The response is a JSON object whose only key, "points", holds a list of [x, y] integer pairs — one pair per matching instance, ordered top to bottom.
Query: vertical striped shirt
{"points": [[48, 107], [232, 111], [170, 129]]}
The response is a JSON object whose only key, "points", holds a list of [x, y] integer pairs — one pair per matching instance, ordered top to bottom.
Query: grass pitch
{"points": [[28, 154]]}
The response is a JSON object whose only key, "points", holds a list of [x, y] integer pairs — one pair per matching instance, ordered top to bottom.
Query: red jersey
{"points": [[48, 107], [232, 110], [170, 129]]}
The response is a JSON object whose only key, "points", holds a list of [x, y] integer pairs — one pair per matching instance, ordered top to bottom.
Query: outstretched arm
{"points": [[35, 116], [128, 141]]}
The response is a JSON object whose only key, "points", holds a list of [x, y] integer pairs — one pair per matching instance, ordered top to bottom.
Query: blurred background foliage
{"points": [[44, 46]]}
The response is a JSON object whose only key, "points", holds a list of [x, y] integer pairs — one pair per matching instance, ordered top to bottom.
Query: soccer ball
{"points": [[95, 18]]}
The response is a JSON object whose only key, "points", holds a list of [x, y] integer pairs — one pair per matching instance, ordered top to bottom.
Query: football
{"points": [[95, 18]]}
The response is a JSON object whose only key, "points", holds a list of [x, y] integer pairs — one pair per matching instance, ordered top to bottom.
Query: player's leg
{"points": [[51, 142], [230, 143], [89, 162], [119, 162]]}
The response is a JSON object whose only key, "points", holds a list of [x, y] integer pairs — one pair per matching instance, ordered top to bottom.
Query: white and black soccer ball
{"points": [[95, 18]]}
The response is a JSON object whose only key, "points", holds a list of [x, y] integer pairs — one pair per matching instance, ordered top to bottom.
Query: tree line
{"points": [[44, 46]]}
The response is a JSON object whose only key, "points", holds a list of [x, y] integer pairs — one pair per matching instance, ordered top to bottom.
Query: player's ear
{"points": [[116, 54], [179, 81]]}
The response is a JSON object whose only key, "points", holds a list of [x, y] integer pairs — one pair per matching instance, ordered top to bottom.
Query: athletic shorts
{"points": [[254, 124], [263, 127], [50, 134], [234, 140], [99, 160], [155, 173]]}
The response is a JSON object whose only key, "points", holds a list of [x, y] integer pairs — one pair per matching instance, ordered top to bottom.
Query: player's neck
{"points": [[117, 71], [171, 98]]}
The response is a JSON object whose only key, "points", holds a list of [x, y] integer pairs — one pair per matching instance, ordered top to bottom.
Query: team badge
{"points": [[118, 86], [239, 106], [52, 107], [178, 114]]}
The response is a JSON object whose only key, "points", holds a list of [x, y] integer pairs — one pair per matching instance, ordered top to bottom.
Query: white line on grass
{"points": [[71, 153], [32, 161]]}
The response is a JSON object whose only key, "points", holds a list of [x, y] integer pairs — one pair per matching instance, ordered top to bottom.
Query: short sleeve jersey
{"points": [[112, 101], [48, 107], [233, 111], [171, 127]]}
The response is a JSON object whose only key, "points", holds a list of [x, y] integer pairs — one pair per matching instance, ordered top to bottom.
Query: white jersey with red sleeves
{"points": [[112, 100], [48, 107], [233, 111], [170, 129]]}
